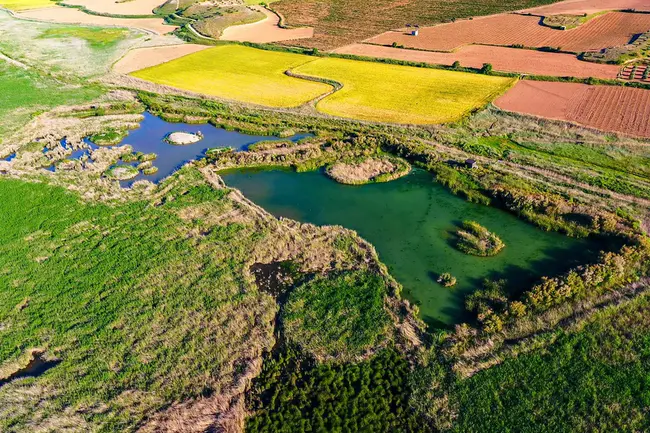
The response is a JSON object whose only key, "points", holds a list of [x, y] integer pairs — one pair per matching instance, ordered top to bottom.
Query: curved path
{"points": [[65, 15], [267, 30]]}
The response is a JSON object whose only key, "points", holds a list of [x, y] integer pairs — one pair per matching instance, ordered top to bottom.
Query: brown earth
{"points": [[131, 7], [579, 7], [65, 15], [342, 22], [608, 30], [265, 31], [141, 58], [502, 59], [608, 108]]}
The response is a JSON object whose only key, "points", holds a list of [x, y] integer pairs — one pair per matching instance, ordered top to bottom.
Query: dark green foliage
{"points": [[486, 68], [338, 315], [597, 380], [294, 394]]}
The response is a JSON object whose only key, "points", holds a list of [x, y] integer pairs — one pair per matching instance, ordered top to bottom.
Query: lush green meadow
{"points": [[96, 37], [238, 73], [26, 92], [401, 94], [140, 312]]}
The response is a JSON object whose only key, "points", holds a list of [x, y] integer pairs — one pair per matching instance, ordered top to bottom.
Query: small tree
{"points": [[456, 64], [486, 68]]}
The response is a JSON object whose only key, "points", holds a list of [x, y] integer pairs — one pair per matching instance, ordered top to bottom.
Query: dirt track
{"points": [[132, 7], [579, 7], [65, 15], [612, 29], [265, 31], [141, 58], [501, 58], [608, 108]]}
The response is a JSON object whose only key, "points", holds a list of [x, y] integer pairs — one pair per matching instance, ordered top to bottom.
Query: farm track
{"points": [[608, 30]]}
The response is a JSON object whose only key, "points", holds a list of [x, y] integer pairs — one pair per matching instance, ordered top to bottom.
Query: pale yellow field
{"points": [[19, 5], [238, 73], [401, 94]]}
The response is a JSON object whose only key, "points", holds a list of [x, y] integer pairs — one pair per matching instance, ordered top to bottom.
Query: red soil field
{"points": [[579, 7], [608, 30], [501, 58], [608, 108]]}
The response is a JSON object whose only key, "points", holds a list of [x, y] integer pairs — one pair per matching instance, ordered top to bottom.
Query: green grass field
{"points": [[19, 5], [96, 37], [238, 73], [26, 92], [401, 94]]}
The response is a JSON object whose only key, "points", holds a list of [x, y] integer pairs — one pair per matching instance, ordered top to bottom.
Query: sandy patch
{"points": [[132, 7], [578, 7], [59, 14], [609, 30], [265, 31], [142, 58], [502, 59], [608, 108], [368, 170]]}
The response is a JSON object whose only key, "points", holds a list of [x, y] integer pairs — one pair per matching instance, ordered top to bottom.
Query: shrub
{"points": [[456, 64], [486, 68], [476, 240], [447, 280]]}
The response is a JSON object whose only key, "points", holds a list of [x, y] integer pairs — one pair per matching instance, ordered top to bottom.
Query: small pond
{"points": [[149, 138], [411, 221]]}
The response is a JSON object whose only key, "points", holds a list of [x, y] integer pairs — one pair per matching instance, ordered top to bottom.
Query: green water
{"points": [[411, 222]]}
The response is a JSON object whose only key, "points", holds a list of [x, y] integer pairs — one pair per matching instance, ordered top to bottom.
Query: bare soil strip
{"points": [[131, 7], [579, 7], [65, 15], [609, 30], [265, 31], [141, 58], [502, 59], [608, 108]]}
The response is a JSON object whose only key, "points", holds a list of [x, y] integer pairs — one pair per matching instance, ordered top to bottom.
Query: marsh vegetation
{"points": [[476, 240]]}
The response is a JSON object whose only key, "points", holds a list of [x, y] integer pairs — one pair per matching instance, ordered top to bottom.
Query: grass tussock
{"points": [[476, 240]]}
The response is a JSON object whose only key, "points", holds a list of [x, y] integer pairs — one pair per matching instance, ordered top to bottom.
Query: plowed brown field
{"points": [[579, 7], [608, 30], [501, 58], [608, 108]]}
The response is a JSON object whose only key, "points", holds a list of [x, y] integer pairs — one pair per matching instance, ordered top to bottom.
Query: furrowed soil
{"points": [[579, 7], [341, 22], [608, 30], [265, 31], [502, 59], [608, 108]]}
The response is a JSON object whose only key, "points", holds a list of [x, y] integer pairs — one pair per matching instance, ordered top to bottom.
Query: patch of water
{"points": [[150, 138], [10, 157], [411, 221]]}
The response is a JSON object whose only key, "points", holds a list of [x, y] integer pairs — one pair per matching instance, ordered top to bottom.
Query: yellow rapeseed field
{"points": [[19, 5], [238, 73], [401, 94]]}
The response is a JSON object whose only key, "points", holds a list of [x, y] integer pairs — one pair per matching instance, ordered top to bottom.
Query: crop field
{"points": [[19, 5], [131, 7], [579, 7], [341, 22], [611, 29], [501, 58], [238, 73], [401, 94], [609, 108]]}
